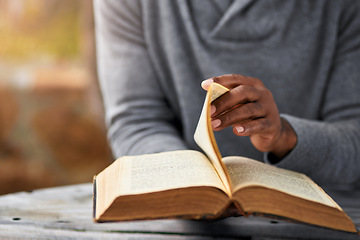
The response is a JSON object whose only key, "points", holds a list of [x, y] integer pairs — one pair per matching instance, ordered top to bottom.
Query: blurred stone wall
{"points": [[51, 118], [49, 133]]}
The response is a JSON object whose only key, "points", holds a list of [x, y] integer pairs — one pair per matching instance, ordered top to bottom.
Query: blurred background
{"points": [[51, 115]]}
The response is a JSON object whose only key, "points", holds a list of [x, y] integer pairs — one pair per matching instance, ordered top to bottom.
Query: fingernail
{"points": [[206, 83], [212, 110], [215, 123], [240, 129]]}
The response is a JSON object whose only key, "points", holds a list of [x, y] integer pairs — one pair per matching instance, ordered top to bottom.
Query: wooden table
{"points": [[66, 213]]}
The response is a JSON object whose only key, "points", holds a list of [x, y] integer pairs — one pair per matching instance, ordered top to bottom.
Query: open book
{"points": [[189, 184]]}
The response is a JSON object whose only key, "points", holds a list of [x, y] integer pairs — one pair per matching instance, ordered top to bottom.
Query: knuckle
{"points": [[233, 76], [216, 79], [258, 81], [239, 90], [267, 92], [265, 95], [219, 104], [253, 108], [250, 109], [227, 118], [264, 124]]}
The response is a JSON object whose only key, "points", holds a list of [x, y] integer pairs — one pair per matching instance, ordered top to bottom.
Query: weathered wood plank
{"points": [[67, 212], [34, 232]]}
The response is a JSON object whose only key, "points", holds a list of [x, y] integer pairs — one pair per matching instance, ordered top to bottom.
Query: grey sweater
{"points": [[153, 55]]}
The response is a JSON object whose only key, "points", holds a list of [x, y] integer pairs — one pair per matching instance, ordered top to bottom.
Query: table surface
{"points": [[66, 213]]}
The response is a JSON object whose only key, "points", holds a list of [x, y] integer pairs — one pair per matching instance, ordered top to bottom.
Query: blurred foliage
{"points": [[31, 29]]}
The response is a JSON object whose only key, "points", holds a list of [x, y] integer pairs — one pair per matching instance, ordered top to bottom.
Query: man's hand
{"points": [[250, 109]]}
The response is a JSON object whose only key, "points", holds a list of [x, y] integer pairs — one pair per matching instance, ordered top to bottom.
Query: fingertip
{"points": [[206, 83], [215, 123], [239, 130]]}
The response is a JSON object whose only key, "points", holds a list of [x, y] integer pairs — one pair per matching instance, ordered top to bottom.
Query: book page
{"points": [[204, 135], [167, 170], [247, 172]]}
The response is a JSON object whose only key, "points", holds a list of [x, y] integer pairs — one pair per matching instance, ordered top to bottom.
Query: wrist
{"points": [[287, 140]]}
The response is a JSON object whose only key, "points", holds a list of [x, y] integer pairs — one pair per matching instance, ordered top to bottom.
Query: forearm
{"points": [[138, 116], [142, 126], [148, 140]]}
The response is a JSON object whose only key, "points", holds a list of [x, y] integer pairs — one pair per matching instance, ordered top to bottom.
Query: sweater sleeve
{"points": [[138, 117], [328, 150]]}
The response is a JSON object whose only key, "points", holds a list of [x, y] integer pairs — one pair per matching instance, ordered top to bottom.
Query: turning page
{"points": [[204, 135]]}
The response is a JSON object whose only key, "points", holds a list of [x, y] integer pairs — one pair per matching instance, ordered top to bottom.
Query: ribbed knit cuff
{"points": [[310, 150]]}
